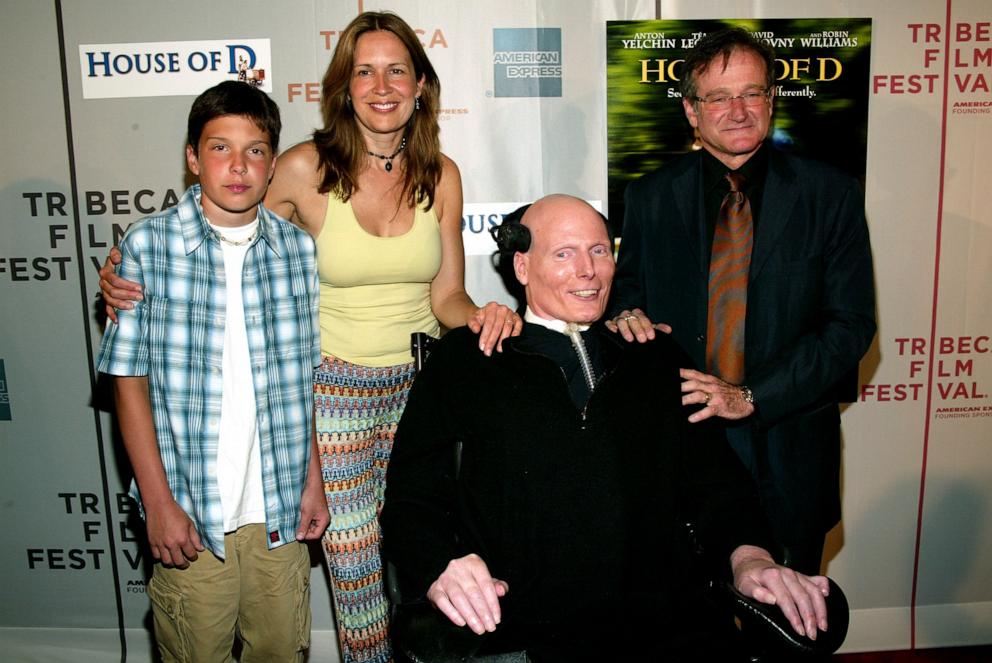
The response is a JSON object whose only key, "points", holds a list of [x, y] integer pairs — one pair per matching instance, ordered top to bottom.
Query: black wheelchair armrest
{"points": [[420, 348], [766, 625], [422, 634]]}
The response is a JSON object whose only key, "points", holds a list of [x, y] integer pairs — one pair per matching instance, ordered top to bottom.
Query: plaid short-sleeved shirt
{"points": [[175, 337]]}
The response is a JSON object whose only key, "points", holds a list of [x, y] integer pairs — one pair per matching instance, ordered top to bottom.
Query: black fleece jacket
{"points": [[581, 511]]}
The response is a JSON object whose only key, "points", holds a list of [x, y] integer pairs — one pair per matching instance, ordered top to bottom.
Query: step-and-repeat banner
{"points": [[96, 95]]}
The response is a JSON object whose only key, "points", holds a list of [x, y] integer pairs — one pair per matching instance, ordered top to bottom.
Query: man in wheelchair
{"points": [[538, 498]]}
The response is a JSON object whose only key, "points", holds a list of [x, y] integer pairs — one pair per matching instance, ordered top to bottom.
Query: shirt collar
{"points": [[753, 170], [195, 228], [553, 325]]}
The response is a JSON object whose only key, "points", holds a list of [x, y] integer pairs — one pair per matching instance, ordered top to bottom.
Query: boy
{"points": [[213, 388]]}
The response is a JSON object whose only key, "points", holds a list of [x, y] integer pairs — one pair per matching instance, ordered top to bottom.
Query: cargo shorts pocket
{"points": [[303, 601], [171, 626]]}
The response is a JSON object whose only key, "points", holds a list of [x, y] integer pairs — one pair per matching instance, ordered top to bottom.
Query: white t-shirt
{"points": [[239, 464]]}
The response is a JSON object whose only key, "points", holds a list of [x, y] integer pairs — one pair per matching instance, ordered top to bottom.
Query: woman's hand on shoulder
{"points": [[117, 291], [494, 322]]}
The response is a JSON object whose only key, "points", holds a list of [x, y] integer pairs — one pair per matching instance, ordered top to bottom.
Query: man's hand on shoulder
{"points": [[635, 325], [721, 399], [468, 595], [799, 597]]}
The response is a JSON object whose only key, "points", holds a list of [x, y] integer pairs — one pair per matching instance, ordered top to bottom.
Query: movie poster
{"points": [[821, 100]]}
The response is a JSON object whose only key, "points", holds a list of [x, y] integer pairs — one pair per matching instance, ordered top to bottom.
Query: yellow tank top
{"points": [[375, 291]]}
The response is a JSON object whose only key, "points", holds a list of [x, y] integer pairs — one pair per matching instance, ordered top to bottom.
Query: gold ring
{"points": [[628, 318], [707, 398]]}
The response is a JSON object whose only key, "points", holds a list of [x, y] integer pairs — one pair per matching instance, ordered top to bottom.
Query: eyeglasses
{"points": [[723, 101]]}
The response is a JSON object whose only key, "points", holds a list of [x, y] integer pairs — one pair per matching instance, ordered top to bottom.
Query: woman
{"points": [[384, 207]]}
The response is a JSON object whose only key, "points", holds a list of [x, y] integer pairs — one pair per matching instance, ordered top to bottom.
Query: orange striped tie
{"points": [[729, 265]]}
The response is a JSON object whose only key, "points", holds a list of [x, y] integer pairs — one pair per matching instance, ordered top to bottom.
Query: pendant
{"points": [[389, 166]]}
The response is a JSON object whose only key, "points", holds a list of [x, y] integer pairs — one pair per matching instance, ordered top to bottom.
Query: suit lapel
{"points": [[686, 191], [777, 203]]}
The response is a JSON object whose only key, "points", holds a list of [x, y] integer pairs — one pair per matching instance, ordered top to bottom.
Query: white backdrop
{"points": [[913, 550]]}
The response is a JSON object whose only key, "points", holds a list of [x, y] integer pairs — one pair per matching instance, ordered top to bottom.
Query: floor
{"points": [[955, 655]]}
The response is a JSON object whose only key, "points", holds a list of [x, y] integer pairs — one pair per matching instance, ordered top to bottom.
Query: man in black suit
{"points": [[806, 288]]}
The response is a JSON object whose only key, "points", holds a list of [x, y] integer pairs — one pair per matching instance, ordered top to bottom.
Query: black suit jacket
{"points": [[810, 314]]}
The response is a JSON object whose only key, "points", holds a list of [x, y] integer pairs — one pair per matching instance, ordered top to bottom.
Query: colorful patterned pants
{"points": [[356, 410]]}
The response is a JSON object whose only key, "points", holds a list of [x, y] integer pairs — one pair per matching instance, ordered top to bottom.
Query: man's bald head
{"points": [[568, 270]]}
